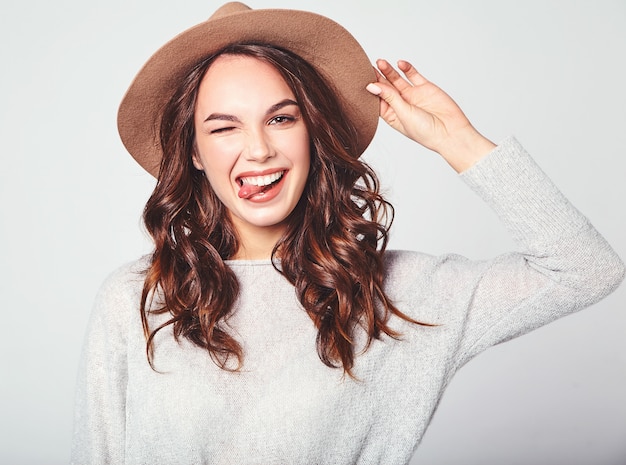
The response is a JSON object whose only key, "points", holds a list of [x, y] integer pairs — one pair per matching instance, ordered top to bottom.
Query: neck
{"points": [[257, 243]]}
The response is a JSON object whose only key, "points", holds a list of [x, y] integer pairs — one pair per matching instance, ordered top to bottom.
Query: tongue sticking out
{"points": [[248, 190]]}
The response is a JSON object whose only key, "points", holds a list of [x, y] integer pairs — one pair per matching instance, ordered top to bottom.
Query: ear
{"points": [[195, 159]]}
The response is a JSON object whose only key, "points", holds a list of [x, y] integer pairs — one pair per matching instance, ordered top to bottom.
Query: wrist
{"points": [[465, 149]]}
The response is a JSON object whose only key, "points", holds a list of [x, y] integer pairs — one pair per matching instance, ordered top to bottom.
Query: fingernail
{"points": [[374, 89]]}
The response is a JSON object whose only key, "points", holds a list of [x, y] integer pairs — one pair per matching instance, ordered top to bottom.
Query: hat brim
{"points": [[326, 45]]}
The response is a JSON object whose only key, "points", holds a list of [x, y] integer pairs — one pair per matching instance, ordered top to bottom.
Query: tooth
{"points": [[262, 180]]}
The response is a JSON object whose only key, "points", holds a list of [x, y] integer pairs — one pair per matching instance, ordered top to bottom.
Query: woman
{"points": [[270, 325]]}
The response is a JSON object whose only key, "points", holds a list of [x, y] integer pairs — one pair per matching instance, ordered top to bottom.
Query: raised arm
{"points": [[424, 113], [563, 264]]}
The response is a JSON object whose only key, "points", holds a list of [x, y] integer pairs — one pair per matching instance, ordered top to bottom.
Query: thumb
{"points": [[386, 92], [392, 106], [408, 119]]}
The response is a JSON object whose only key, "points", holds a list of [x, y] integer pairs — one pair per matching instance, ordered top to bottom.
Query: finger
{"points": [[411, 73], [392, 75], [379, 76], [374, 89], [385, 91], [393, 108]]}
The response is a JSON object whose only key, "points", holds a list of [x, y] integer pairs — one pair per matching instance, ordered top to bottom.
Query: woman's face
{"points": [[251, 141]]}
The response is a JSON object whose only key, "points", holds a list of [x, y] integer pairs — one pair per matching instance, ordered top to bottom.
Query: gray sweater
{"points": [[286, 406]]}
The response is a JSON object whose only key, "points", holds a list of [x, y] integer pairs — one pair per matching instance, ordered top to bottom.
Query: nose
{"points": [[259, 147]]}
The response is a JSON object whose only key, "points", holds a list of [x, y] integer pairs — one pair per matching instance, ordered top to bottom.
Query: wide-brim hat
{"points": [[326, 45]]}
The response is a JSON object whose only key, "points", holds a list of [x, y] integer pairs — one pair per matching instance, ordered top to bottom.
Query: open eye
{"points": [[282, 119]]}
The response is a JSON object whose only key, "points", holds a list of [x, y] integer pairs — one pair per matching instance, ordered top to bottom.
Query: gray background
{"points": [[550, 72]]}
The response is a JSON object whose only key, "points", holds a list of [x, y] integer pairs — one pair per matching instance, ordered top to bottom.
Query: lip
{"points": [[249, 174], [267, 195]]}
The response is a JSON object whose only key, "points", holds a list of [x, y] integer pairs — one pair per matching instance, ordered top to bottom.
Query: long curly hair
{"points": [[332, 250]]}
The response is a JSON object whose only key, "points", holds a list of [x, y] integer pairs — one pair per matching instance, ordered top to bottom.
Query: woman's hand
{"points": [[423, 112]]}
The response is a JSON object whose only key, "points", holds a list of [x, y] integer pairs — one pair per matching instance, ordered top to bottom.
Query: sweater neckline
{"points": [[248, 263]]}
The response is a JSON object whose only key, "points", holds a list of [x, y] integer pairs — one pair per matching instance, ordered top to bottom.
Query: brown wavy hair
{"points": [[332, 250]]}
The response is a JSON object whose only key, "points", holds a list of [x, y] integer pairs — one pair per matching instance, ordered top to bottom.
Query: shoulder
{"points": [[399, 264], [408, 272], [125, 278], [121, 290]]}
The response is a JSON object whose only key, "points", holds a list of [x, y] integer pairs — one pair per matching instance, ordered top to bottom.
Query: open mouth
{"points": [[254, 185]]}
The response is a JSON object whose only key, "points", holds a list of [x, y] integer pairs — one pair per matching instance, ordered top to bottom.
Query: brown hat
{"points": [[326, 45]]}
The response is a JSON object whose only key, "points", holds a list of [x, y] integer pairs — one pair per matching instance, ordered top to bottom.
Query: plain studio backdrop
{"points": [[552, 73]]}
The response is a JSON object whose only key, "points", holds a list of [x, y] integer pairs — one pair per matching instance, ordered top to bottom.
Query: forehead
{"points": [[240, 78]]}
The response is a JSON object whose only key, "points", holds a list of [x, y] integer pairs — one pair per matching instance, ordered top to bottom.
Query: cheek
{"points": [[301, 150], [217, 160], [306, 162], [217, 173], [218, 176]]}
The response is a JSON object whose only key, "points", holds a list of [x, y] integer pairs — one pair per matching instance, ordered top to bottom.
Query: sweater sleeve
{"points": [[563, 263], [100, 414]]}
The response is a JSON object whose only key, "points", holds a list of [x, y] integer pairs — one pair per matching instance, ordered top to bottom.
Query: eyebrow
{"points": [[277, 106]]}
